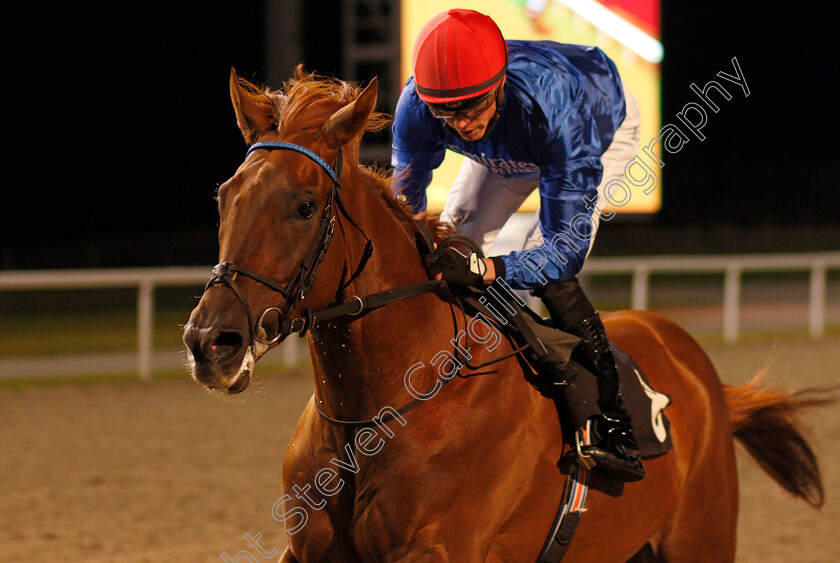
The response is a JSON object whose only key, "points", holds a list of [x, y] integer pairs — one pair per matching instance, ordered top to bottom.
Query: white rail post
{"points": [[641, 275], [816, 300], [731, 302], [145, 312], [290, 350]]}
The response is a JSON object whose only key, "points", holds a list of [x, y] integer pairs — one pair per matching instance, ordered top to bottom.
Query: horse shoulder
{"points": [[478, 436], [316, 491]]}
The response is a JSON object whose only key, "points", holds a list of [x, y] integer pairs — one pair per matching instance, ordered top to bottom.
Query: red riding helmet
{"points": [[459, 55]]}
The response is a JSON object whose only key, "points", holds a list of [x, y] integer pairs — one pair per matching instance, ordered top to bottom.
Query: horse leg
{"points": [[703, 526], [701, 535]]}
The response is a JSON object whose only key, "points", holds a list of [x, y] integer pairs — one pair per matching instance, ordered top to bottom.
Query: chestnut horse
{"points": [[437, 467]]}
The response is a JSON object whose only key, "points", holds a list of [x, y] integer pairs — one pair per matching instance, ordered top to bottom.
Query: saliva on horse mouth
{"points": [[243, 378]]}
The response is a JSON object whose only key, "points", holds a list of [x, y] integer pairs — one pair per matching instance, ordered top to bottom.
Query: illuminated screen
{"points": [[626, 30]]}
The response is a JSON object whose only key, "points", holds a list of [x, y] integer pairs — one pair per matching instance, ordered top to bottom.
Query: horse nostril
{"points": [[226, 340], [212, 345], [224, 345]]}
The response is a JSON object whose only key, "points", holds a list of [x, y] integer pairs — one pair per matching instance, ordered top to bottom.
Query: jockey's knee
{"points": [[455, 217], [566, 302]]}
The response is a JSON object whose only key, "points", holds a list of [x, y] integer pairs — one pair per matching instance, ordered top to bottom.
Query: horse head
{"points": [[277, 216]]}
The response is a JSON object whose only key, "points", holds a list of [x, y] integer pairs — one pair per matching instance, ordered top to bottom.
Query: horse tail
{"points": [[766, 423]]}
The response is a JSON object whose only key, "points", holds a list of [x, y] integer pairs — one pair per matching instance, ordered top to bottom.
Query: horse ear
{"points": [[252, 109], [350, 121]]}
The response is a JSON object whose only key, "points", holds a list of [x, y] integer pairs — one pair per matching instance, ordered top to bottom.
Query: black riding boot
{"points": [[615, 448]]}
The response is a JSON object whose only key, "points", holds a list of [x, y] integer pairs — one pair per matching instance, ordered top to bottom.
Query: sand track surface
{"points": [[168, 472]]}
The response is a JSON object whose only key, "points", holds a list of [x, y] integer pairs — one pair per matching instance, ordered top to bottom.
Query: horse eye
{"points": [[306, 209]]}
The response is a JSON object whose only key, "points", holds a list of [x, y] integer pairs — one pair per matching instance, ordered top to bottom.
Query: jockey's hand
{"points": [[457, 268]]}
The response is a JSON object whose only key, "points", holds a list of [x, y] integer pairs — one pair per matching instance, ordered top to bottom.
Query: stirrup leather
{"points": [[584, 438]]}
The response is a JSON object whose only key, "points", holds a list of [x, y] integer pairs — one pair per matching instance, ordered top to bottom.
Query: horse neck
{"points": [[359, 363]]}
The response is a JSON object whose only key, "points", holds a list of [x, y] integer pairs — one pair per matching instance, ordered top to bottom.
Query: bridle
{"points": [[295, 290]]}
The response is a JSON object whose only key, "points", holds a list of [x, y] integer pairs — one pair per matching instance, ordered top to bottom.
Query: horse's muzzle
{"points": [[218, 357]]}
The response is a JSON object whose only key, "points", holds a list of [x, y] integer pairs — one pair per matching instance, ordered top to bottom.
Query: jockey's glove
{"points": [[457, 268]]}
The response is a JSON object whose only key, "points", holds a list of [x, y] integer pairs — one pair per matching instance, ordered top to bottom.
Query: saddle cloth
{"points": [[550, 366], [651, 426]]}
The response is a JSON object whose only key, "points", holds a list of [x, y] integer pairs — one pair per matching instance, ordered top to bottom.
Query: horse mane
{"points": [[307, 101], [380, 180]]}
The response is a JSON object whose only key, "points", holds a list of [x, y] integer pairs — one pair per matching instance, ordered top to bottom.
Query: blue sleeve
{"points": [[417, 147], [570, 152]]}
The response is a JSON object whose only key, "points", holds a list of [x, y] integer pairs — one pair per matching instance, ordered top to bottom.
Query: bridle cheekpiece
{"points": [[295, 290]]}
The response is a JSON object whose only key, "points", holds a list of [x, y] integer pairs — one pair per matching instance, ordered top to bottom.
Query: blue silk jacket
{"points": [[561, 108]]}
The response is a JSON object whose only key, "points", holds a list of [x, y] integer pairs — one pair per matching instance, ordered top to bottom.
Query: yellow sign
{"points": [[623, 35]]}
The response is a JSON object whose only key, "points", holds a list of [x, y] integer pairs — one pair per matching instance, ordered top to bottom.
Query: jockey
{"points": [[526, 115]]}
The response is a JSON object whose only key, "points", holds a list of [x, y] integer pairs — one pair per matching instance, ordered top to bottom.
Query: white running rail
{"points": [[732, 266], [640, 267]]}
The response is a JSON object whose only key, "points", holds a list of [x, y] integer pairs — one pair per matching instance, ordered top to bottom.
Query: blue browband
{"points": [[271, 145]]}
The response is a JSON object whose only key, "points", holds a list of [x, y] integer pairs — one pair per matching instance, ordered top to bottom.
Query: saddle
{"points": [[549, 362]]}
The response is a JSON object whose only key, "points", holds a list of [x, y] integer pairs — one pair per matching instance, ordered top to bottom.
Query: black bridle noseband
{"points": [[295, 290]]}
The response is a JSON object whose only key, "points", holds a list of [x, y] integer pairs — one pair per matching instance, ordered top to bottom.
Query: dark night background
{"points": [[119, 129]]}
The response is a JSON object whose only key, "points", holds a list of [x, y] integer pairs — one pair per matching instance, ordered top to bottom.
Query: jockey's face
{"points": [[471, 123], [471, 127]]}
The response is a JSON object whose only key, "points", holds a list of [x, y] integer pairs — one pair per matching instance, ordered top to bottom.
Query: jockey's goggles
{"points": [[467, 109]]}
